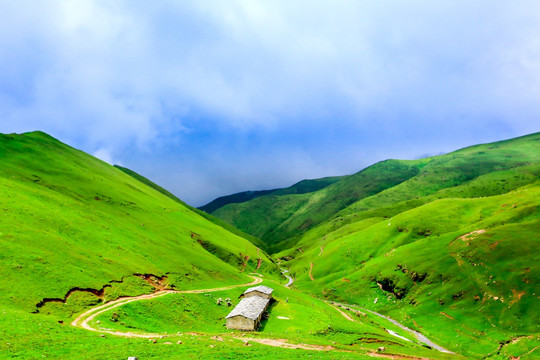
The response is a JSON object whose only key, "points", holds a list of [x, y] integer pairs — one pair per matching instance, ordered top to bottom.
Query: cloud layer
{"points": [[224, 96]]}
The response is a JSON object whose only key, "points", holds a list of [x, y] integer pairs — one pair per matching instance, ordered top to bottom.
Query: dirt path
{"points": [[310, 274], [341, 312], [83, 320], [416, 334], [283, 343]]}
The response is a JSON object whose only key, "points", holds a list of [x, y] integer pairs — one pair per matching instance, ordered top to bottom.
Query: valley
{"points": [[435, 258]]}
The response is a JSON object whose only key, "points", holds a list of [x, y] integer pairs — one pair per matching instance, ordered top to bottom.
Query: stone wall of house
{"points": [[241, 323]]}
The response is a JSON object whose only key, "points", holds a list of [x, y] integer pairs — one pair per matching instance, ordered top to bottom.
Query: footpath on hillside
{"points": [[84, 319]]}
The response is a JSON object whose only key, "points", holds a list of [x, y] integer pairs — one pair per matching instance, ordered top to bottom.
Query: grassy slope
{"points": [[275, 218], [213, 219], [71, 220], [281, 220], [402, 247], [488, 282], [295, 316], [197, 322]]}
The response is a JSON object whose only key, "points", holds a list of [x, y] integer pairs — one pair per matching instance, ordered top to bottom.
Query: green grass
{"points": [[69, 220], [280, 220], [388, 238], [487, 284], [310, 321], [36, 336]]}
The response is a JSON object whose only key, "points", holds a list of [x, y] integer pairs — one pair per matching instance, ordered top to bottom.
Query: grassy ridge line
{"points": [[301, 187], [390, 202], [204, 214], [276, 218], [70, 220], [281, 220]]}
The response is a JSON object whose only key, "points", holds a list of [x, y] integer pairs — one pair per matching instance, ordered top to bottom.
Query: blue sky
{"points": [[210, 97]]}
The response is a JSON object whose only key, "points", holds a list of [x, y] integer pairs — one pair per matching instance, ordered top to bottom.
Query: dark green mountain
{"points": [[301, 187], [280, 219]]}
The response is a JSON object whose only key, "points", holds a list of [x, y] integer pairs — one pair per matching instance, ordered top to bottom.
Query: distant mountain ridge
{"points": [[301, 187], [278, 217]]}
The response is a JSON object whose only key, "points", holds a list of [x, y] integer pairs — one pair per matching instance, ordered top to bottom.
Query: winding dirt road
{"points": [[83, 320], [418, 336]]}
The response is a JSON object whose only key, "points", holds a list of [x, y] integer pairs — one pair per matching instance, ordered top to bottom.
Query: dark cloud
{"points": [[223, 96]]}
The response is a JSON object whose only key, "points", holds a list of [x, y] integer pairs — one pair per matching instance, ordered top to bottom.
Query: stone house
{"points": [[247, 315]]}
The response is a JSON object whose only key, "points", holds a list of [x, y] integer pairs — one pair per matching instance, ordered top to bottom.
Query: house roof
{"points": [[261, 288], [250, 307]]}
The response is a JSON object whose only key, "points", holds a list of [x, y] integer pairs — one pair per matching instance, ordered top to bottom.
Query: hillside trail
{"points": [[310, 272], [341, 312], [83, 320], [418, 336], [283, 343]]}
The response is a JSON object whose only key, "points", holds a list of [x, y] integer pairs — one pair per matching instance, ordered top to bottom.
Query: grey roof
{"points": [[261, 288], [250, 307]]}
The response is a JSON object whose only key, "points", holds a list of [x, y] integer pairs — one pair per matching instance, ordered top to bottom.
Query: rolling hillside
{"points": [[283, 218], [72, 221], [76, 233], [448, 245]]}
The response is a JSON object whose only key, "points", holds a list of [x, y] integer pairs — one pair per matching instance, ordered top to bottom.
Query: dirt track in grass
{"points": [[83, 320]]}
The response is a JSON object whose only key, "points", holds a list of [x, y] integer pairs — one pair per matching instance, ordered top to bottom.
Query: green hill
{"points": [[301, 187], [279, 220], [72, 221], [76, 232], [448, 244]]}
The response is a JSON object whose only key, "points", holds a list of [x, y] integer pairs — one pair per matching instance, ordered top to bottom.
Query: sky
{"points": [[209, 98]]}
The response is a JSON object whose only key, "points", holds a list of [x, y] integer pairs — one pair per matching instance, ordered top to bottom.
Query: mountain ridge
{"points": [[285, 216]]}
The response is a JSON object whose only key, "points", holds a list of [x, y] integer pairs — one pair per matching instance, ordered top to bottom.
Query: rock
{"points": [[98, 322], [101, 335], [179, 342], [212, 346], [381, 349], [133, 358]]}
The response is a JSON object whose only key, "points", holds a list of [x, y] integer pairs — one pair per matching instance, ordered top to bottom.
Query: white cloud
{"points": [[135, 75]]}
